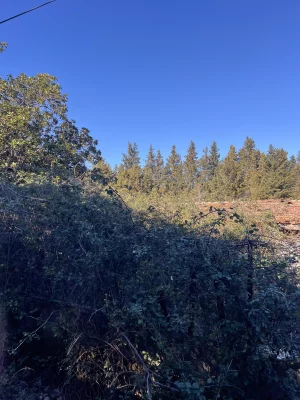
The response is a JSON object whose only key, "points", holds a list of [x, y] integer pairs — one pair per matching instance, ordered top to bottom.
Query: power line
{"points": [[25, 12]]}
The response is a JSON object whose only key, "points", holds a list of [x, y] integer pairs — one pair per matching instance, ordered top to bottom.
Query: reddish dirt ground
{"points": [[286, 212]]}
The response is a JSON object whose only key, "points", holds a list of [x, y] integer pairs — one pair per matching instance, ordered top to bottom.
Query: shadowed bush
{"points": [[115, 305]]}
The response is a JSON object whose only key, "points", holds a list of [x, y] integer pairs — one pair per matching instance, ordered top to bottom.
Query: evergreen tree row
{"points": [[244, 174]]}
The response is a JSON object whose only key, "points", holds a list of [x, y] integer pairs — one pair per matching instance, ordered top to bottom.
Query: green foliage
{"points": [[36, 136], [248, 157], [131, 159], [208, 164], [190, 167], [159, 170], [104, 171], [149, 171], [174, 171], [129, 172], [295, 172], [244, 174], [273, 177], [278, 177], [226, 183], [143, 301]]}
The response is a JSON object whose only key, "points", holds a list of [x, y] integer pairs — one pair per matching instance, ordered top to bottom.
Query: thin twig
{"points": [[32, 333]]}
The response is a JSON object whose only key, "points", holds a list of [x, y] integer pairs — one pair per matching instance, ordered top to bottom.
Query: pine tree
{"points": [[214, 158], [131, 159], [248, 159], [150, 160], [293, 162], [208, 164], [190, 167], [204, 169], [149, 171], [104, 173], [130, 173], [174, 173], [159, 174], [273, 178], [296, 178], [258, 181], [279, 181], [226, 183]]}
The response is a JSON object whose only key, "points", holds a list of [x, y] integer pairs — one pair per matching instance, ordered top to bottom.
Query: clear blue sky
{"points": [[167, 71]]}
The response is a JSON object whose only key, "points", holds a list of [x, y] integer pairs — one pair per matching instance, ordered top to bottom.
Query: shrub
{"points": [[120, 305]]}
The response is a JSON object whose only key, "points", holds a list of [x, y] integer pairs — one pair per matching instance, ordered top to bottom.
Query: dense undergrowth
{"points": [[130, 295], [106, 302]]}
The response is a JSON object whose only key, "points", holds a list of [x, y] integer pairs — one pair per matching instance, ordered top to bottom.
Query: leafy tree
{"points": [[36, 135], [190, 167]]}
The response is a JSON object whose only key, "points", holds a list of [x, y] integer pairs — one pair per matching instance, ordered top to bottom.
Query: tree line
{"points": [[38, 139], [247, 173]]}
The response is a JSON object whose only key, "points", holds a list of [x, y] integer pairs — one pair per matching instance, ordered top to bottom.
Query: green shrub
{"points": [[115, 304]]}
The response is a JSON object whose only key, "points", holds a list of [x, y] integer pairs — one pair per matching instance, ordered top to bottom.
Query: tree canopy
{"points": [[36, 135], [243, 174]]}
